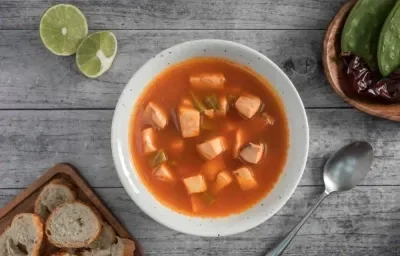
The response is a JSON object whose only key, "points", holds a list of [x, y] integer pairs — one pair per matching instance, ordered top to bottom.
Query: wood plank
{"points": [[181, 14], [32, 77], [32, 141], [364, 221]]}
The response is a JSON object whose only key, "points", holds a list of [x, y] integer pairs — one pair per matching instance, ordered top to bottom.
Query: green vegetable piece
{"points": [[360, 33], [389, 43], [212, 102], [197, 103], [158, 158], [208, 198]]}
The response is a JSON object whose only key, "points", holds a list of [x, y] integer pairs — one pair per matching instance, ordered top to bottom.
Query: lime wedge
{"points": [[62, 29], [96, 53]]}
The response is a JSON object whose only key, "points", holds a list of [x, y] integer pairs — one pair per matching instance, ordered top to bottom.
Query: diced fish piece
{"points": [[208, 81], [248, 105], [223, 106], [210, 113], [156, 115], [189, 120], [149, 140], [240, 141], [212, 148], [252, 153], [211, 168], [163, 173], [245, 178], [223, 179], [195, 184]]}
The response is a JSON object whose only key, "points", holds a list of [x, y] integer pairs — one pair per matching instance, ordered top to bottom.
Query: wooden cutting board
{"points": [[25, 200]]}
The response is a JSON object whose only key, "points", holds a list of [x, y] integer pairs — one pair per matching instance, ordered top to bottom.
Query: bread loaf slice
{"points": [[52, 195], [73, 225], [23, 237], [106, 239], [123, 247]]}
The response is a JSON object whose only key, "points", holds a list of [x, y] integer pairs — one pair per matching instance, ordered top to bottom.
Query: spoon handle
{"points": [[279, 248]]}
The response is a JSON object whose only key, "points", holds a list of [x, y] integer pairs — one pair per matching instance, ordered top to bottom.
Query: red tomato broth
{"points": [[167, 89]]}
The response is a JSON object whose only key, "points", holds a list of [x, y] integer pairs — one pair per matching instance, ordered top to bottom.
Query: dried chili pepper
{"points": [[367, 83]]}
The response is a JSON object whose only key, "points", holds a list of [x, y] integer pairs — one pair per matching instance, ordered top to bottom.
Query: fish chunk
{"points": [[214, 81], [248, 105], [223, 106], [157, 115], [189, 120], [149, 140], [240, 140], [212, 148], [252, 153], [211, 168], [163, 173], [245, 178], [223, 179], [195, 184]]}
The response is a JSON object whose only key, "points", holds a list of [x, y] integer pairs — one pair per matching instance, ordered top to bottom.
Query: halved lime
{"points": [[62, 28], [96, 53]]}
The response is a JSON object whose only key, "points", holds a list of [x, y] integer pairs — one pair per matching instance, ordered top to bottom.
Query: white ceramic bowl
{"points": [[298, 132]]}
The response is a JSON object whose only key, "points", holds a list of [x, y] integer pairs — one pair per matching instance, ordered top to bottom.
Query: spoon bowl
{"points": [[348, 167]]}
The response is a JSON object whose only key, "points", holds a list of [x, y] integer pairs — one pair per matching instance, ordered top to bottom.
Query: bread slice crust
{"points": [[44, 211], [7, 235], [74, 242]]}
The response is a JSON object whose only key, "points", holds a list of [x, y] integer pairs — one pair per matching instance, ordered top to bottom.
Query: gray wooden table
{"points": [[50, 113]]}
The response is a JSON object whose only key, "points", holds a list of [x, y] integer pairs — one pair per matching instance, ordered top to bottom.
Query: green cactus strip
{"points": [[360, 34], [389, 43]]}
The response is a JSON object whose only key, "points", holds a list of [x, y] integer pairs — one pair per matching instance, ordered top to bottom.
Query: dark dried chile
{"points": [[367, 83]]}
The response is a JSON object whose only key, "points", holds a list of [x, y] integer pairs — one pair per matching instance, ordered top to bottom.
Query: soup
{"points": [[209, 137]]}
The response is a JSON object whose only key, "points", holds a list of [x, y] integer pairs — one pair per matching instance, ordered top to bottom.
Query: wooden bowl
{"points": [[335, 72]]}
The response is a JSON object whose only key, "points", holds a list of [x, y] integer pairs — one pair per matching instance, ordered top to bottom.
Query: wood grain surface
{"points": [[180, 14], [57, 83], [49, 113], [32, 141]]}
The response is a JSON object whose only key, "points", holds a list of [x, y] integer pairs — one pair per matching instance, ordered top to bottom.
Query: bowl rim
{"points": [[238, 229]]}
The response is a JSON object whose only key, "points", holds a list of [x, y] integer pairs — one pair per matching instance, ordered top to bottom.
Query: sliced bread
{"points": [[52, 195], [73, 225], [23, 237], [106, 239], [123, 247]]}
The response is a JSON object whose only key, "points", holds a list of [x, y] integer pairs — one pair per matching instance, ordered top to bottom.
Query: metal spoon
{"points": [[343, 171]]}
